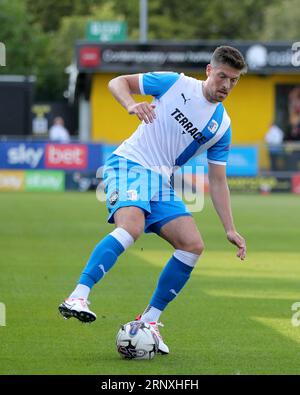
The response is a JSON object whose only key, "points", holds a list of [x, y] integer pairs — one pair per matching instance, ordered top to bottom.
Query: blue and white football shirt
{"points": [[186, 125]]}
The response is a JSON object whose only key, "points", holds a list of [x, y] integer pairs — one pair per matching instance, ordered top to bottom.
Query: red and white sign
{"points": [[89, 56], [66, 156]]}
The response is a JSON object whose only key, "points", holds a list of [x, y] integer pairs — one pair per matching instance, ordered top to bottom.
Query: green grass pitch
{"points": [[232, 317]]}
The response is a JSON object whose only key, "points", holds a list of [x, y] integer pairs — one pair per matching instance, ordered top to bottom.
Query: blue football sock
{"points": [[101, 260], [171, 281]]}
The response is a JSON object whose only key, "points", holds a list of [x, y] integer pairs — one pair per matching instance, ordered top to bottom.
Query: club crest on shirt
{"points": [[213, 126], [114, 197]]}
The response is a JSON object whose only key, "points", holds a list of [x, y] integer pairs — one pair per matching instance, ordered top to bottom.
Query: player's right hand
{"points": [[144, 111], [236, 239]]}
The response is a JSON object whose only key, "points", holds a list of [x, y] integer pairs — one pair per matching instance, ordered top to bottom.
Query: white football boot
{"points": [[77, 308], [162, 347]]}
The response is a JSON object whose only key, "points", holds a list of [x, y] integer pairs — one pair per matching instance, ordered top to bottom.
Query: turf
{"points": [[231, 318]]}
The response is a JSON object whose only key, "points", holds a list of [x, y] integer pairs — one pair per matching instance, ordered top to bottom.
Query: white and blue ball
{"points": [[136, 340]]}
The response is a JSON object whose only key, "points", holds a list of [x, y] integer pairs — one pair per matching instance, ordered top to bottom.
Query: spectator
{"points": [[294, 115], [58, 132], [274, 139]]}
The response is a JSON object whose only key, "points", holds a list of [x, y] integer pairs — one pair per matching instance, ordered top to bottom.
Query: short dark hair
{"points": [[229, 55]]}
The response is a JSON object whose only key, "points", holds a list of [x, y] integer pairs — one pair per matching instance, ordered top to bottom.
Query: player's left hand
{"points": [[236, 239]]}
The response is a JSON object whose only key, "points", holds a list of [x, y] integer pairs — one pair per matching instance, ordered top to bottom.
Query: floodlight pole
{"points": [[143, 21]]}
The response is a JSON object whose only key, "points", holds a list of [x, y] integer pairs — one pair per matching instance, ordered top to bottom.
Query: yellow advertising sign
{"points": [[12, 180]]}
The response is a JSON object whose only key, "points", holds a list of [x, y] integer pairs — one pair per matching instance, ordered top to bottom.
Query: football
{"points": [[136, 340]]}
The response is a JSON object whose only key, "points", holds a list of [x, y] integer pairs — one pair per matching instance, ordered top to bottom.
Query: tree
{"points": [[48, 13], [190, 19], [282, 21], [72, 28], [40, 35], [23, 39], [61, 48]]}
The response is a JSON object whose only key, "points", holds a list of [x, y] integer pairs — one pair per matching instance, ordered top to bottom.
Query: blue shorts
{"points": [[128, 183]]}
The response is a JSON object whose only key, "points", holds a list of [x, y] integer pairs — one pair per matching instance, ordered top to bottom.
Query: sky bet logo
{"points": [[22, 155], [49, 156], [66, 156]]}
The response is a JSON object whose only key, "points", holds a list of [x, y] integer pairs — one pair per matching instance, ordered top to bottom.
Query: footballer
{"points": [[185, 119]]}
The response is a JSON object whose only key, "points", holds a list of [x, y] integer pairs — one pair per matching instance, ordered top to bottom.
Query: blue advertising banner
{"points": [[108, 150], [22, 155], [44, 155], [95, 156], [242, 161], [81, 181]]}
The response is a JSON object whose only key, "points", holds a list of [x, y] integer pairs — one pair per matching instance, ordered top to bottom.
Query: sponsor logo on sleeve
{"points": [[213, 126]]}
